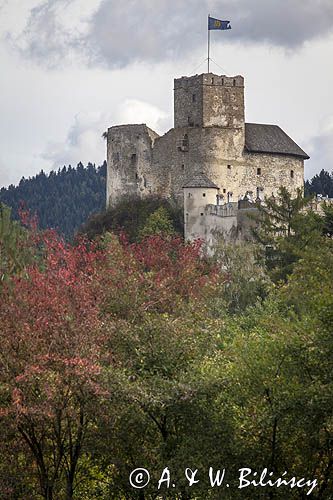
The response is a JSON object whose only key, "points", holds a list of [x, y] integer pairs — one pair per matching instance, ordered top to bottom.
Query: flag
{"points": [[217, 24]]}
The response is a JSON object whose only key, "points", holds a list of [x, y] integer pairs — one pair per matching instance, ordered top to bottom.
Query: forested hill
{"points": [[62, 200]]}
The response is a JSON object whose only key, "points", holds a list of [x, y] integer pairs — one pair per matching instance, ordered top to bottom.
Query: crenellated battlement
{"points": [[185, 82]]}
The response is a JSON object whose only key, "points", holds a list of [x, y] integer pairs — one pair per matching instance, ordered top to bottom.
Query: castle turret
{"points": [[129, 149], [199, 192]]}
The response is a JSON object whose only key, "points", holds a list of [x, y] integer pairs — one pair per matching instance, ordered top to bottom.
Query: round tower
{"points": [[199, 192]]}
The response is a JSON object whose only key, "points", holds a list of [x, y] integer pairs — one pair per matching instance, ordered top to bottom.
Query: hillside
{"points": [[62, 200]]}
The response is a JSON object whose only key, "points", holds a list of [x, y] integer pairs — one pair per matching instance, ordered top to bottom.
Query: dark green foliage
{"points": [[320, 184], [62, 200], [130, 216], [328, 220], [285, 228], [15, 253]]}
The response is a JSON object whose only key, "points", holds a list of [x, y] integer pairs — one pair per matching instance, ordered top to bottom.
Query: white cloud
{"points": [[84, 140]]}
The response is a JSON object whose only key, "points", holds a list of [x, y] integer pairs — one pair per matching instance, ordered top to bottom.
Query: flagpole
{"points": [[208, 41]]}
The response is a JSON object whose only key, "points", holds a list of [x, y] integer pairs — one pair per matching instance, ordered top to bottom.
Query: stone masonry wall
{"points": [[209, 100], [163, 165], [130, 171]]}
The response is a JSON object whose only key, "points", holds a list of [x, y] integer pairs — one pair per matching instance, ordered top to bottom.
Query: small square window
{"points": [[229, 167], [258, 171], [203, 194], [201, 213]]}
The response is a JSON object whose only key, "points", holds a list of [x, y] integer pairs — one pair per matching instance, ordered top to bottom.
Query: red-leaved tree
{"points": [[55, 325], [52, 341]]}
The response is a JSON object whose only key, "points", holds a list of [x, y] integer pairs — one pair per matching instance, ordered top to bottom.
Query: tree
{"points": [[321, 183], [130, 216], [328, 220], [159, 222], [285, 228], [15, 246], [244, 278], [51, 340], [281, 387]]}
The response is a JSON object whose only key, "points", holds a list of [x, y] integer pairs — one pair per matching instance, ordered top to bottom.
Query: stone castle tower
{"points": [[209, 137]]}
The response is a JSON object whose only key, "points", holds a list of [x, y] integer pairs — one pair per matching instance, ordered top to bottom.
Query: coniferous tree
{"points": [[321, 183], [285, 228]]}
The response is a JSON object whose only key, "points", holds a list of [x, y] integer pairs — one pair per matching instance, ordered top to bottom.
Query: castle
{"points": [[212, 163]]}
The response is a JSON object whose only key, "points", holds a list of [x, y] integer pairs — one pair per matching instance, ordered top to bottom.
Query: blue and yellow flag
{"points": [[217, 24]]}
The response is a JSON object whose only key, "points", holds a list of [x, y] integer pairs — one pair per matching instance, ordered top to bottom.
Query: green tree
{"points": [[130, 216], [328, 220], [159, 222], [285, 228], [14, 245], [243, 277], [280, 377]]}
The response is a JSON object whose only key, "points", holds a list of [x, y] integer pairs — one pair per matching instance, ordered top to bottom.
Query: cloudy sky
{"points": [[72, 68]]}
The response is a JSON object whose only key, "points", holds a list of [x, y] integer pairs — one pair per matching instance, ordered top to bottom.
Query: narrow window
{"points": [[212, 81], [222, 81], [234, 82], [194, 97], [133, 157], [183, 167], [229, 167], [258, 171], [292, 174], [136, 176], [224, 190], [203, 194], [189, 195]]}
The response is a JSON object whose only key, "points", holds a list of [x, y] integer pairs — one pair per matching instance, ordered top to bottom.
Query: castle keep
{"points": [[210, 141]]}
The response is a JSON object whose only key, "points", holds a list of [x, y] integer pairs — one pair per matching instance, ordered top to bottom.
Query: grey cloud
{"points": [[155, 30], [46, 38], [321, 152]]}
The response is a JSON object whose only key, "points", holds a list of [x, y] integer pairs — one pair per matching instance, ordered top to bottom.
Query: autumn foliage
{"points": [[56, 320]]}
